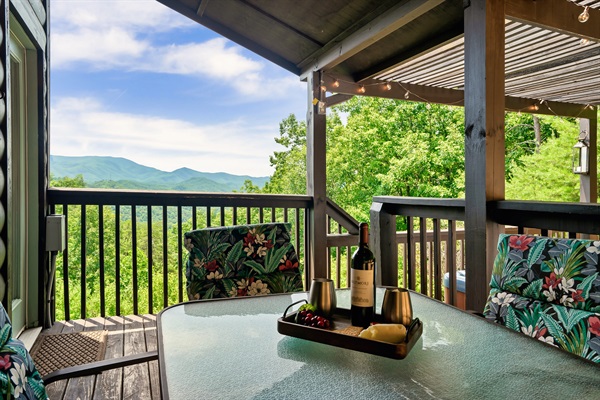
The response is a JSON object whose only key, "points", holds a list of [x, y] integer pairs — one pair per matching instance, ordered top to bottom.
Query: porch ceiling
{"points": [[418, 43]]}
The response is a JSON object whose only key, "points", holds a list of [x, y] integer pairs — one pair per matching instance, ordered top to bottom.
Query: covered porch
{"points": [[489, 56]]}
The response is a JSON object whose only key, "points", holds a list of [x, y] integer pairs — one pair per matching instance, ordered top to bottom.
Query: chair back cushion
{"points": [[244, 260], [549, 289], [19, 377]]}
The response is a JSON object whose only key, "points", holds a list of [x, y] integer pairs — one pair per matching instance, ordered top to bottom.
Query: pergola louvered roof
{"points": [[416, 44]]}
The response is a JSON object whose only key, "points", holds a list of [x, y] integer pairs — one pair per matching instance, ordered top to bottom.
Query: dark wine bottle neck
{"points": [[364, 234]]}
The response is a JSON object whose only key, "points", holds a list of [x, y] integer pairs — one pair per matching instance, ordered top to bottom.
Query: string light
{"points": [[585, 15], [584, 42], [323, 87], [408, 94]]}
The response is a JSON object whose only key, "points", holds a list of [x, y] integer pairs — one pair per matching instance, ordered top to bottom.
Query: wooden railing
{"points": [[125, 248], [125, 252], [427, 254]]}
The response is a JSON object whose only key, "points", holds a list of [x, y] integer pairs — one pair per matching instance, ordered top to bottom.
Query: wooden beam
{"points": [[202, 7], [558, 15], [374, 31], [231, 35], [453, 97], [337, 99], [484, 140], [316, 180]]}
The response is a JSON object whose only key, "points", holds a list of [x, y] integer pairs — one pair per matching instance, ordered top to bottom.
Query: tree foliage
{"points": [[548, 175]]}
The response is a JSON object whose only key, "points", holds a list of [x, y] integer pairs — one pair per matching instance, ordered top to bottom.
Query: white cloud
{"points": [[91, 34], [82, 126]]}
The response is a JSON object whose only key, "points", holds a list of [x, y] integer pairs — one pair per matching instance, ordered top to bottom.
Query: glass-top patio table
{"points": [[230, 349]]}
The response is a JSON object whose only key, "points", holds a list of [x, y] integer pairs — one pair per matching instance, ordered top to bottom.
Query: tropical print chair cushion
{"points": [[245, 260], [549, 289], [19, 378]]}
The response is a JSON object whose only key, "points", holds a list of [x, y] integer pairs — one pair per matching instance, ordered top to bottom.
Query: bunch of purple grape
{"points": [[309, 318]]}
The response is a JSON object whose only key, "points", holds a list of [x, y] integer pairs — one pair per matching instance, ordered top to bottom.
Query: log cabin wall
{"points": [[32, 17]]}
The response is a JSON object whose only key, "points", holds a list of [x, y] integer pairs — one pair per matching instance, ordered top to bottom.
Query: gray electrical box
{"points": [[55, 232]]}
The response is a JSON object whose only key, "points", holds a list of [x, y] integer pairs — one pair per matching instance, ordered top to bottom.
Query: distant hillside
{"points": [[121, 173]]}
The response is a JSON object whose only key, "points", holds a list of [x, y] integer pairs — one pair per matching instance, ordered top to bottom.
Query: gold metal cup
{"points": [[322, 296], [396, 307]]}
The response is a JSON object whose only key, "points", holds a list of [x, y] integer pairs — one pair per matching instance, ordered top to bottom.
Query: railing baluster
{"points": [[248, 215], [261, 215], [273, 215], [222, 216], [234, 216], [208, 217], [194, 218], [411, 251], [180, 253], [423, 253], [150, 254], [101, 255], [338, 255], [134, 258], [165, 258], [437, 258], [118, 259], [83, 261], [328, 261], [451, 261], [67, 299]]}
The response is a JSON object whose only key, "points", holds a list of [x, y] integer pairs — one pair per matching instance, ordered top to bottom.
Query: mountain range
{"points": [[121, 173]]}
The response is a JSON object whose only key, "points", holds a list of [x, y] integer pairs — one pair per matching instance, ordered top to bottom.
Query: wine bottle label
{"points": [[361, 287]]}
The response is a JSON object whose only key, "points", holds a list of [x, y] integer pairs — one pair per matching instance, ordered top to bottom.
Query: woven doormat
{"points": [[52, 352]]}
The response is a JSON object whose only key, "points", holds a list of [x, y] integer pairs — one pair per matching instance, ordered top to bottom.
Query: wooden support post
{"points": [[484, 140], [316, 181], [588, 183], [384, 246]]}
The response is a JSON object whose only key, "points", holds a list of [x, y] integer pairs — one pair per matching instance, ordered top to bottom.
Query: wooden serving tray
{"points": [[340, 321]]}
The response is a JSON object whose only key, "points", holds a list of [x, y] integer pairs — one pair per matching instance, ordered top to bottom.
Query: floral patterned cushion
{"points": [[246, 260], [548, 289], [19, 378]]}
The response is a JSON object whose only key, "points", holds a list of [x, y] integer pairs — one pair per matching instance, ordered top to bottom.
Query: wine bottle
{"points": [[362, 285]]}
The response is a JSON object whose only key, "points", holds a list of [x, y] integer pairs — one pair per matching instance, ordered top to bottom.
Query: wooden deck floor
{"points": [[127, 335]]}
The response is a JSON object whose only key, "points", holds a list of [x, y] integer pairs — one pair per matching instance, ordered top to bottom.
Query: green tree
{"points": [[520, 140], [390, 147], [290, 165], [548, 175], [76, 182]]}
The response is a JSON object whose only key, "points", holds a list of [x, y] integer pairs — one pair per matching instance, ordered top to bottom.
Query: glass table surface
{"points": [[230, 349]]}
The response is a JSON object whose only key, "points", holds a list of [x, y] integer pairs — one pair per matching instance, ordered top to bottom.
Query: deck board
{"points": [[127, 335]]}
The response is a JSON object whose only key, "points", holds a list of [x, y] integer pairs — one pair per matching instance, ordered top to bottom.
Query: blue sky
{"points": [[134, 79]]}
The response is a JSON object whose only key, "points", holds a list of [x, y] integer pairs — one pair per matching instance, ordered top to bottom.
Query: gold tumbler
{"points": [[396, 307]]}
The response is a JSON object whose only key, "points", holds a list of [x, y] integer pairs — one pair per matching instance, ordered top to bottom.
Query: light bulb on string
{"points": [[584, 16], [584, 42], [336, 84], [387, 86], [323, 87], [361, 89], [407, 95], [536, 107]]}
